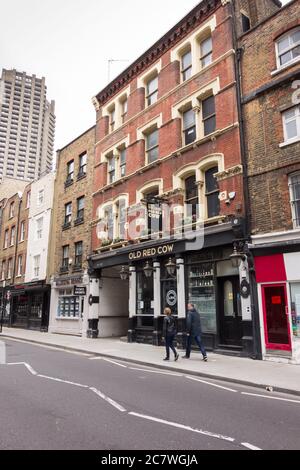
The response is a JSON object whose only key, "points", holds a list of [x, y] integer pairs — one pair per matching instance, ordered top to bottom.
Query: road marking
{"points": [[2, 352], [116, 363], [28, 366], [157, 372], [62, 381], [213, 385], [270, 398], [109, 400], [182, 426], [250, 446]]}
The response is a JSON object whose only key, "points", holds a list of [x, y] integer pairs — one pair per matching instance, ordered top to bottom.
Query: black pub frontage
{"points": [[171, 273], [26, 305]]}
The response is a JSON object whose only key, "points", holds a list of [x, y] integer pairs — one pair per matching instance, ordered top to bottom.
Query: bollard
{"points": [[2, 353]]}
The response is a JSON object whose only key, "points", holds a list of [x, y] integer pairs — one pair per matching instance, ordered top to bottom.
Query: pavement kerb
{"points": [[158, 366]]}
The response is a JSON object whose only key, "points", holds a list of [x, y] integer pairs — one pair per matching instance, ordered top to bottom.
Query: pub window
{"points": [[206, 52], [186, 65], [152, 91], [209, 115], [189, 126], [152, 146], [123, 162], [111, 169], [212, 193], [191, 199]]}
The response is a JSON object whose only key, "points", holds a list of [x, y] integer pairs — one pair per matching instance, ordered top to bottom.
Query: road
{"points": [[53, 399]]}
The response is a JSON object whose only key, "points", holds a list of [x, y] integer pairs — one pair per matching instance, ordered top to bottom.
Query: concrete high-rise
{"points": [[27, 126]]}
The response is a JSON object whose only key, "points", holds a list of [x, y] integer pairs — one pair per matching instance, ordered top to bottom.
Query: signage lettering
{"points": [[151, 252]]}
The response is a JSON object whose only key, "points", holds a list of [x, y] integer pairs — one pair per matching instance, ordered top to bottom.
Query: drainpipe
{"points": [[17, 240], [253, 287]]}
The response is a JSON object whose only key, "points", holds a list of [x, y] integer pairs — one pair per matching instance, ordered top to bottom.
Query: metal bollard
{"points": [[2, 352]]}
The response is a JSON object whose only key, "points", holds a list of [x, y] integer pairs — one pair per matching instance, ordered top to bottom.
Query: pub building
{"points": [[163, 138]]}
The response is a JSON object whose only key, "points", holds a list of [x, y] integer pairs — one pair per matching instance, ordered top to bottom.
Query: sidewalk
{"points": [[282, 377]]}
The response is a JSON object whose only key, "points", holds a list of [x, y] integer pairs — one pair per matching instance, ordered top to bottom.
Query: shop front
{"points": [[173, 273], [278, 280], [69, 304], [27, 306]]}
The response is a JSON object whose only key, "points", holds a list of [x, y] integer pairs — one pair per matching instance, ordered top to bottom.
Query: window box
{"points": [[69, 182], [79, 221], [66, 226], [64, 269]]}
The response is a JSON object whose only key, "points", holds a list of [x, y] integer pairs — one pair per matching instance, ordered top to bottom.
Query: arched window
{"points": [[212, 193], [191, 198]]}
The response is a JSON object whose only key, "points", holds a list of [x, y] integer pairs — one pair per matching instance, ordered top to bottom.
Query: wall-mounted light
{"points": [[237, 258], [171, 267], [148, 270], [124, 274]]}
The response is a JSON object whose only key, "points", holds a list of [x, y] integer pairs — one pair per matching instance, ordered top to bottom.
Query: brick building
{"points": [[270, 69], [168, 160], [13, 243], [71, 245]]}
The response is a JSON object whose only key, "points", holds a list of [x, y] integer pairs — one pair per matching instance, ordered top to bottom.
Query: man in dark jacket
{"points": [[193, 327]]}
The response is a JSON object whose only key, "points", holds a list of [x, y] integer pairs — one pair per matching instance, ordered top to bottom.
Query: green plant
{"points": [[106, 243]]}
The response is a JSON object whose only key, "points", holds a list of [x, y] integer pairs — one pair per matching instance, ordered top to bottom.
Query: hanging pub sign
{"points": [[154, 212], [79, 290]]}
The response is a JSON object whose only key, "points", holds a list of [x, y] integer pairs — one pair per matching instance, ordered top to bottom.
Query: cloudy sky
{"points": [[70, 42]]}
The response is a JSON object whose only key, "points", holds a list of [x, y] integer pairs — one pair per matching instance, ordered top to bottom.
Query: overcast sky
{"points": [[70, 41]]}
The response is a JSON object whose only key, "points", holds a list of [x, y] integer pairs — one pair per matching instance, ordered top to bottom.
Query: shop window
{"points": [[294, 184], [212, 193], [201, 293], [295, 297], [68, 305]]}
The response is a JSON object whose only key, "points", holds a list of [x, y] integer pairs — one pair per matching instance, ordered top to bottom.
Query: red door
{"points": [[276, 320]]}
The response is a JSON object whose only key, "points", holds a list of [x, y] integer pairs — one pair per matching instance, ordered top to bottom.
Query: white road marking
{"points": [[97, 358], [116, 363], [28, 366], [157, 372], [62, 381], [212, 384], [270, 398], [109, 400], [182, 426], [250, 446]]}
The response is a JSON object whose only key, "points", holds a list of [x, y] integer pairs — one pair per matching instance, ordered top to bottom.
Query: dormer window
{"points": [[288, 48]]}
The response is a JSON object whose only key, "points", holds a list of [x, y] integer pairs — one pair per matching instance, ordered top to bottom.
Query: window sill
{"points": [[285, 67], [289, 142], [81, 176], [68, 183], [78, 222], [66, 226], [67, 318]]}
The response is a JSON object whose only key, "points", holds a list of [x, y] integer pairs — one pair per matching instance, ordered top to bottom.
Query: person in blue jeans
{"points": [[194, 332]]}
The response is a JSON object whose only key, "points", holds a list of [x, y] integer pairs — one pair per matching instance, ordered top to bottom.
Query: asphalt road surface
{"points": [[51, 399]]}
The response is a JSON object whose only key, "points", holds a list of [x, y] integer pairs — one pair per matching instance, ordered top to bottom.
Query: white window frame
{"points": [[291, 62], [117, 104], [285, 121], [40, 197], [292, 199], [39, 228], [22, 231], [12, 236], [6, 238], [20, 266], [36, 266], [9, 268], [3, 270]]}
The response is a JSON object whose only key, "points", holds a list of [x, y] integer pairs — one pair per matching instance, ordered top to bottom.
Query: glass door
{"points": [[145, 300], [276, 321], [231, 330]]}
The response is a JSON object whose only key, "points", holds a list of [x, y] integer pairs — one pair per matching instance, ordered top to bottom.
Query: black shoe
{"points": [[176, 357], [185, 357], [166, 359], [205, 359]]}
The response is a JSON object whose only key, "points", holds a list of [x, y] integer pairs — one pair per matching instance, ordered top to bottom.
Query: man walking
{"points": [[193, 326]]}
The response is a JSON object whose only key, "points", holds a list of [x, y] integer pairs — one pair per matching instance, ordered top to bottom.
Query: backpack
{"points": [[171, 326]]}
